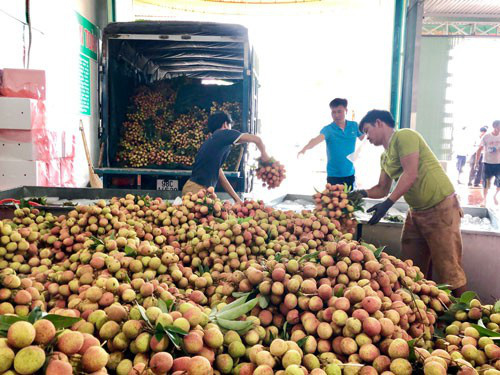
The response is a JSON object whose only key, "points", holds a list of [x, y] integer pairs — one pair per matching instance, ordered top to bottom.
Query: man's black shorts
{"points": [[490, 171], [349, 180]]}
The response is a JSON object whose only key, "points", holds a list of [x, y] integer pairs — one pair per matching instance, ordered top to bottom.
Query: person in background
{"points": [[340, 137], [490, 143], [460, 144], [214, 152], [476, 169], [431, 234]]}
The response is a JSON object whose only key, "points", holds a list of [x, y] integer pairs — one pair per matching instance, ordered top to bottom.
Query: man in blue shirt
{"points": [[340, 137]]}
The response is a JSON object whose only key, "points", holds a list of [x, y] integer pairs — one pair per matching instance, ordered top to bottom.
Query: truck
{"points": [[159, 82]]}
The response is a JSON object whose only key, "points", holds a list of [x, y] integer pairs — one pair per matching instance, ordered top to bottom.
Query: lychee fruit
{"points": [[45, 331], [21, 334], [94, 359], [29, 360], [161, 363]]}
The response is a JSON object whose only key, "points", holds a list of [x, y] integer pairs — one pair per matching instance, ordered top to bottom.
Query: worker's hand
{"points": [[300, 153], [264, 157], [359, 193], [238, 200], [379, 210]]}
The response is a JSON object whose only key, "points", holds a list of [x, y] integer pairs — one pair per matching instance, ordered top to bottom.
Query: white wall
{"points": [[55, 48]]}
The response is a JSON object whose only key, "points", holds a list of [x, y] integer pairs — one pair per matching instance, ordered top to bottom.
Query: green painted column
{"points": [[111, 4], [397, 57], [432, 120]]}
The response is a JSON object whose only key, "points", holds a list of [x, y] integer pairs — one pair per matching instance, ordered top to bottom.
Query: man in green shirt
{"points": [[431, 234]]}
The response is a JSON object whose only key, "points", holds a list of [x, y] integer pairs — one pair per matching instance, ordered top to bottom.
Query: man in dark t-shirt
{"points": [[214, 152]]}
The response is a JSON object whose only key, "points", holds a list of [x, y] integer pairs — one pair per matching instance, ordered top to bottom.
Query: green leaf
{"points": [[23, 203], [244, 219], [268, 236], [98, 240], [96, 243], [130, 251], [378, 252], [309, 256], [277, 257], [443, 286], [446, 288], [339, 292], [240, 294], [466, 297], [238, 302], [263, 302], [165, 306], [496, 308], [142, 311], [238, 311], [213, 312], [36, 314], [449, 315], [11, 319], [7, 320], [61, 322], [481, 323], [240, 326], [177, 330], [485, 331], [159, 332], [284, 334], [159, 335], [271, 336], [175, 339], [302, 341], [412, 357]]}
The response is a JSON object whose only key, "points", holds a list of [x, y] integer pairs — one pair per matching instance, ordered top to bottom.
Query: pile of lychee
{"points": [[154, 134], [271, 173], [337, 202], [137, 285], [29, 347]]}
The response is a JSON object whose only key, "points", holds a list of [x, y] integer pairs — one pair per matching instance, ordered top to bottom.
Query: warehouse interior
{"points": [[267, 187]]}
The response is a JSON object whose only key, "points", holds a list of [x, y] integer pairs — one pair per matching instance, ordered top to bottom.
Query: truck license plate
{"points": [[167, 184]]}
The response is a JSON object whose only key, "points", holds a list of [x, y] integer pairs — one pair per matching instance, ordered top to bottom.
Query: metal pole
{"points": [[413, 31], [397, 57]]}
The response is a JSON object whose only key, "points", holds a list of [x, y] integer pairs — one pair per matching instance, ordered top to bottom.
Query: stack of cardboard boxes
{"points": [[30, 153]]}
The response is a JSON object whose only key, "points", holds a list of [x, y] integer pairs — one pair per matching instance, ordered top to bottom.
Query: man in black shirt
{"points": [[213, 153]]}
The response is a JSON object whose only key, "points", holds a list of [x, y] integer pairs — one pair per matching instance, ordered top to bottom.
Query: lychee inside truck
{"points": [[159, 83]]}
